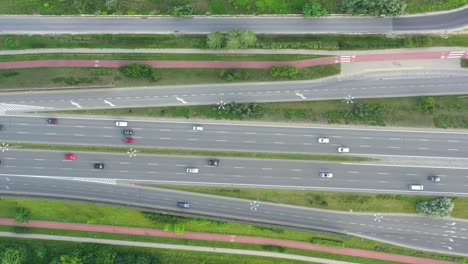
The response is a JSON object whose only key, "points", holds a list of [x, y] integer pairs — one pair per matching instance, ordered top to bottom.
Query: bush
{"points": [[111, 5], [241, 6], [217, 7], [373, 7], [182, 10], [313, 10], [247, 38], [215, 40], [9, 42], [134, 70], [284, 71], [7, 74], [234, 74], [73, 81], [427, 104], [235, 110], [369, 112], [451, 121], [440, 207], [22, 214], [327, 242], [14, 255]]}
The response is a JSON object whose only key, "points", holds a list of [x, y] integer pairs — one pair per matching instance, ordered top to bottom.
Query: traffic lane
{"points": [[448, 19], [261, 92], [238, 172], [242, 209]]}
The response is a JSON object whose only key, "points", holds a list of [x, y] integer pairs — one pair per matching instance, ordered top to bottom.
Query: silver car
{"points": [[326, 174]]}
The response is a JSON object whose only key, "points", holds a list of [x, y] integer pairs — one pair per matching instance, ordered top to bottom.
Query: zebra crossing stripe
{"points": [[455, 54]]}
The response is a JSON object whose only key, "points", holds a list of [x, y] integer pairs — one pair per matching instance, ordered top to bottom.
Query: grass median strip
{"points": [[464, 63], [188, 152]]}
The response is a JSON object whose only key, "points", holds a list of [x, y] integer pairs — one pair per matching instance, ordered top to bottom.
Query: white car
{"points": [[121, 123], [197, 128], [323, 140], [343, 150], [192, 170], [325, 174]]}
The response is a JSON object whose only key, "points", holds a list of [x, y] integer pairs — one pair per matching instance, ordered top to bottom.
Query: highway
{"points": [[202, 25], [362, 86], [242, 137], [258, 173], [436, 235]]}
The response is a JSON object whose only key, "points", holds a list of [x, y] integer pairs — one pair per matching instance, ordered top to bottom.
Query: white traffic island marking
{"points": [[301, 95], [181, 100], [109, 103], [75, 104], [4, 108], [254, 205], [378, 218]]}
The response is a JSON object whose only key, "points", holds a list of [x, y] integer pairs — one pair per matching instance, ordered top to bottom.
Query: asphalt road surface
{"points": [[201, 25], [434, 83], [241, 137], [360, 177], [438, 235]]}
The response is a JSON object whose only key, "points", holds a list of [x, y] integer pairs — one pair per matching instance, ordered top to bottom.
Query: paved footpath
{"points": [[341, 57], [223, 238]]}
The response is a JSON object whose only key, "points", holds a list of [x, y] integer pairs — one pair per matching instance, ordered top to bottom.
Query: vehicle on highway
{"points": [[52, 121], [121, 123], [1, 127], [197, 128], [127, 132], [128, 140], [323, 140], [343, 150], [70, 156], [0, 162], [213, 162], [99, 166], [192, 170], [326, 174], [433, 178], [416, 187], [183, 205]]}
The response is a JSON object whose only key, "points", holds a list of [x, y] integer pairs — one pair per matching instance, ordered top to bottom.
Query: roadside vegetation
{"points": [[214, 7], [321, 42], [464, 63], [69, 77], [439, 111], [190, 152], [356, 202], [47, 210]]}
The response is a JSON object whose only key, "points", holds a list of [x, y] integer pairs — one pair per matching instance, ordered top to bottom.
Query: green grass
{"points": [[151, 7], [322, 42], [159, 56], [464, 63], [43, 77], [450, 112], [189, 152], [387, 203], [87, 213]]}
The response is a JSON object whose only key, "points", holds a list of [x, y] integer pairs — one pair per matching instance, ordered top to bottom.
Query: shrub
{"points": [[111, 5], [83, 6], [242, 6], [217, 7], [373, 7], [182, 10], [313, 10], [247, 38], [215, 40], [233, 40], [9, 42], [134, 70], [284, 71], [7, 74], [234, 74], [427, 104], [241, 111], [369, 112], [451, 121], [441, 207], [22, 214], [327, 242], [14, 255]]}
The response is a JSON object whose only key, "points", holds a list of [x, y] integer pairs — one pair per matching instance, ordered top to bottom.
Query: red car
{"points": [[52, 121], [128, 140], [70, 156]]}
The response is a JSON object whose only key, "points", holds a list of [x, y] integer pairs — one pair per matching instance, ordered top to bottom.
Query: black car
{"points": [[52, 121], [1, 127], [127, 132], [0, 162], [213, 162], [99, 166], [183, 205]]}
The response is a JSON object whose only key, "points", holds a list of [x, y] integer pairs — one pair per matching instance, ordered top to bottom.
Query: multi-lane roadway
{"points": [[201, 25], [362, 86], [238, 136], [440, 235]]}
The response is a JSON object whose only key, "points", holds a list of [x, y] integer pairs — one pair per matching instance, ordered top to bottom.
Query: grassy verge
{"points": [[149, 7], [323, 42], [159, 56], [464, 63], [106, 77], [448, 112], [188, 152], [387, 203], [87, 213]]}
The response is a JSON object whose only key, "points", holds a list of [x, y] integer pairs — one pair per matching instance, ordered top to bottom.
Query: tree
{"points": [[111, 5], [373, 7], [182, 10], [313, 10], [247, 38], [215, 40], [233, 40], [427, 104], [441, 207], [22, 214], [14, 256], [67, 259]]}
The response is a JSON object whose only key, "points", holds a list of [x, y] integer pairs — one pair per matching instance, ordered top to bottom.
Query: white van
{"points": [[121, 123], [416, 187]]}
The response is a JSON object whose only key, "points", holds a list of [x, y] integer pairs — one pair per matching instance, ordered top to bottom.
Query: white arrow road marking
{"points": [[301, 95], [181, 100], [109, 103], [75, 104], [452, 224], [453, 232], [451, 240], [449, 248]]}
